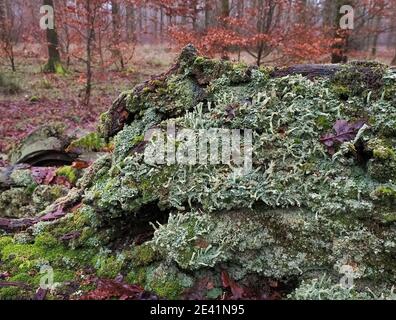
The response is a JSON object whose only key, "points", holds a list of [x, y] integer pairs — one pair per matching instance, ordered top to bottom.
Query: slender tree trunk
{"points": [[240, 8], [225, 9], [207, 11], [115, 14], [140, 19], [130, 22], [161, 22], [155, 23], [377, 24], [6, 32], [341, 37], [89, 41], [54, 64]]}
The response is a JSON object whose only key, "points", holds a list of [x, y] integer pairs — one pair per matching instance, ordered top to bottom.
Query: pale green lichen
{"points": [[325, 289]]}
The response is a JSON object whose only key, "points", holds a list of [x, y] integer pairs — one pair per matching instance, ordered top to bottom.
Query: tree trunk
{"points": [[208, 8], [225, 9], [115, 14], [130, 22], [161, 22], [377, 24], [6, 32], [341, 37], [89, 42], [54, 64]]}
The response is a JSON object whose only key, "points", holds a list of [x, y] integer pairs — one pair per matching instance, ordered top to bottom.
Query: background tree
{"points": [[7, 39], [54, 64]]}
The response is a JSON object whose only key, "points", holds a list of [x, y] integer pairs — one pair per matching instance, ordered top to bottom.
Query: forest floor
{"points": [[43, 98]]}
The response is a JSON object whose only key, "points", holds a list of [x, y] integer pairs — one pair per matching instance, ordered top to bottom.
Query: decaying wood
{"points": [[308, 70], [118, 115], [48, 158], [56, 211]]}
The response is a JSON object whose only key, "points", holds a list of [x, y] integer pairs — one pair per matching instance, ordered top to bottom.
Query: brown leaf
{"points": [[80, 165], [236, 290]]}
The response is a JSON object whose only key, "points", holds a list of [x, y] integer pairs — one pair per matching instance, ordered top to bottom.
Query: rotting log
{"points": [[308, 70]]}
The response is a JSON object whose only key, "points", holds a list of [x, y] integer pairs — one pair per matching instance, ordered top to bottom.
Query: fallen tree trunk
{"points": [[308, 70]]}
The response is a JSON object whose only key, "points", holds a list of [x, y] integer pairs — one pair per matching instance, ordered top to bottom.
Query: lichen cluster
{"points": [[302, 213]]}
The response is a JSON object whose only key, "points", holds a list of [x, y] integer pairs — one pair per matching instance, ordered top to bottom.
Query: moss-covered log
{"points": [[320, 199]]}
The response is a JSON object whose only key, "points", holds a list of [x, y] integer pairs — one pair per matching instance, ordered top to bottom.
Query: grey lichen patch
{"points": [[44, 195], [16, 203], [325, 288]]}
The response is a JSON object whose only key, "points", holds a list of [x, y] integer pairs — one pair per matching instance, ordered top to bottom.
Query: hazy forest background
{"points": [[100, 48]]}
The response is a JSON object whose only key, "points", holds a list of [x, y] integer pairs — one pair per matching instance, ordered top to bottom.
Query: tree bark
{"points": [[115, 14], [130, 21], [6, 32], [341, 37], [89, 41], [374, 44], [54, 64]]}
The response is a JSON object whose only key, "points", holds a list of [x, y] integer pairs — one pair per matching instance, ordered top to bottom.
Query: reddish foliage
{"points": [[80, 165], [113, 289], [236, 290]]}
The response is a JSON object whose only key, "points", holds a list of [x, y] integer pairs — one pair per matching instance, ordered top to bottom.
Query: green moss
{"points": [[54, 66], [205, 70], [342, 91], [323, 123], [138, 139], [90, 142], [384, 153], [383, 164], [383, 171], [70, 173], [386, 195], [389, 218], [46, 240], [4, 241], [143, 255], [22, 256], [28, 257], [109, 267], [64, 276], [137, 276], [22, 277], [168, 287], [11, 293]]}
